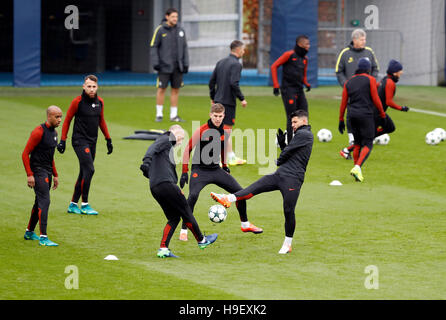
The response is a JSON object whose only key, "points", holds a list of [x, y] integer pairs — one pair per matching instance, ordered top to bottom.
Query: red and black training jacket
{"points": [[294, 70], [386, 92], [361, 95], [89, 116], [205, 142], [39, 150]]}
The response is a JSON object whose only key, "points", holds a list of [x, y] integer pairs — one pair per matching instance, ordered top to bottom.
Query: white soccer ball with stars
{"points": [[441, 132], [324, 135], [432, 138], [383, 139], [217, 213]]}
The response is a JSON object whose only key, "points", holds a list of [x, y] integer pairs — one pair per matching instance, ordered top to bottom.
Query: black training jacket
{"points": [[224, 83], [294, 157], [160, 160]]}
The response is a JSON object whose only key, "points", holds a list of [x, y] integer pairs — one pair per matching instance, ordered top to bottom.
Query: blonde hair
{"points": [[91, 77], [217, 108]]}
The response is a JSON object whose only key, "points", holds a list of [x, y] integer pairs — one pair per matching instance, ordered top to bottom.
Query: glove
{"points": [[157, 67], [185, 69], [308, 88], [276, 91], [404, 108], [341, 126], [281, 139], [61, 146], [109, 146], [226, 168], [145, 170], [184, 178]]}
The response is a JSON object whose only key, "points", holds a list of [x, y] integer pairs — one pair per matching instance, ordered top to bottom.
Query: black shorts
{"points": [[175, 78], [229, 115]]}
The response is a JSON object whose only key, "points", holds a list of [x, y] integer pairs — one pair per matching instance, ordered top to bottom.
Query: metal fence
{"points": [[386, 44]]}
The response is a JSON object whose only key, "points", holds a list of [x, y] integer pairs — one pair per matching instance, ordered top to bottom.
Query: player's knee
{"points": [[390, 128], [89, 171], [192, 199], [174, 221]]}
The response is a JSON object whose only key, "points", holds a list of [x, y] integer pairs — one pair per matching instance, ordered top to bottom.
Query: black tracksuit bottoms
{"points": [[293, 99], [86, 154], [202, 177], [289, 187], [175, 207], [39, 212]]}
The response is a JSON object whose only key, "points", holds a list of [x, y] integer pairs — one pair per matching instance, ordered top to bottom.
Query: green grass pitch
{"points": [[394, 220]]}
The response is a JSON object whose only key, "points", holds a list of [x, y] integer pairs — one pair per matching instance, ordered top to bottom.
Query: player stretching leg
{"points": [[288, 178]]}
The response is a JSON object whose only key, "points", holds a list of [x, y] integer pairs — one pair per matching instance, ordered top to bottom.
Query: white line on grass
{"points": [[429, 112]]}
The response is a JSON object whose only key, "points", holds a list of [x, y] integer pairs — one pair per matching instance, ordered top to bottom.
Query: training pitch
{"points": [[395, 220]]}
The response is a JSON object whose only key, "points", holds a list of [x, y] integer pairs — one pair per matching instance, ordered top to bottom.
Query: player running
{"points": [[386, 92], [361, 95], [88, 111], [209, 142], [38, 159], [159, 166], [288, 178]]}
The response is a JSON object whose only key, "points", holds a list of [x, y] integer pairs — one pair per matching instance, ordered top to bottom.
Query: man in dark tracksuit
{"points": [[170, 57], [347, 64], [294, 76], [224, 89], [360, 97], [88, 110], [209, 143], [38, 159], [159, 167], [288, 178]]}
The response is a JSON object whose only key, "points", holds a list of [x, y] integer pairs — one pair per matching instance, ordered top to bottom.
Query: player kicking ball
{"points": [[209, 142], [159, 167], [288, 178]]}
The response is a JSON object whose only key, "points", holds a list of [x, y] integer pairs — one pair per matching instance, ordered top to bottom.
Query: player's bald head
{"points": [[53, 109], [54, 116], [176, 128], [178, 132]]}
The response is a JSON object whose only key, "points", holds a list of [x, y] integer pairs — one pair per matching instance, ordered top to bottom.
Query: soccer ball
{"points": [[441, 132], [324, 135], [433, 138], [382, 139], [217, 213]]}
